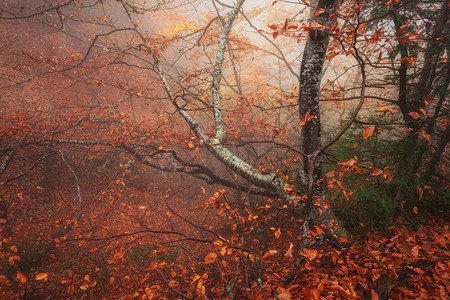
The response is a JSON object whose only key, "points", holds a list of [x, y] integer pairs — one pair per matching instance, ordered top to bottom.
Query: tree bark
{"points": [[310, 77]]}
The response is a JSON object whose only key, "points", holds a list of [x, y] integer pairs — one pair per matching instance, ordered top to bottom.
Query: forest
{"points": [[224, 149]]}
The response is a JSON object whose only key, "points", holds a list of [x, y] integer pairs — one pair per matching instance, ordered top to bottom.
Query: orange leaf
{"points": [[319, 11], [273, 27], [275, 34], [414, 115], [368, 132], [376, 172], [330, 174], [420, 192], [415, 210], [319, 230], [277, 233], [288, 253], [119, 254], [269, 254], [311, 254], [210, 257], [41, 276], [22, 278], [374, 295], [284, 296]]}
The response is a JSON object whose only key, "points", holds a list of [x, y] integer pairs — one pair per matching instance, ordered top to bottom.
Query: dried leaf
{"points": [[319, 11], [414, 115], [368, 132], [377, 172], [420, 192], [277, 234], [289, 253], [310, 253], [269, 254], [119, 255], [210, 257], [41, 276], [22, 278], [374, 295]]}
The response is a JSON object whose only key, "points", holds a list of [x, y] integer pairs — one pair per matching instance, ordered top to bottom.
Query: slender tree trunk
{"points": [[310, 77]]}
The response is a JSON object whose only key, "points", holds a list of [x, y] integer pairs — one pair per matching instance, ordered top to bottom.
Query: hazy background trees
{"points": [[179, 133]]}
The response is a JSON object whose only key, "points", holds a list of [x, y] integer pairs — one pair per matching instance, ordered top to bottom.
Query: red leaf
{"points": [[275, 34]]}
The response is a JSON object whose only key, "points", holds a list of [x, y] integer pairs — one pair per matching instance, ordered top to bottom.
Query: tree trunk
{"points": [[310, 78]]}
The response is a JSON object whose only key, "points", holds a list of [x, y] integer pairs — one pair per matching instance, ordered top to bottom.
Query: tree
{"points": [[108, 89]]}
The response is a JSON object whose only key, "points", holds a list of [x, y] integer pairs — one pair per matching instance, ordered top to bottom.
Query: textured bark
{"points": [[310, 78]]}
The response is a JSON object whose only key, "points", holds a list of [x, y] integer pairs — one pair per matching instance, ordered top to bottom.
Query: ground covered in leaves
{"points": [[399, 264]]}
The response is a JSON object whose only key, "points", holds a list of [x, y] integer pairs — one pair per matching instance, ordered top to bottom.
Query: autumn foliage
{"points": [[270, 150]]}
